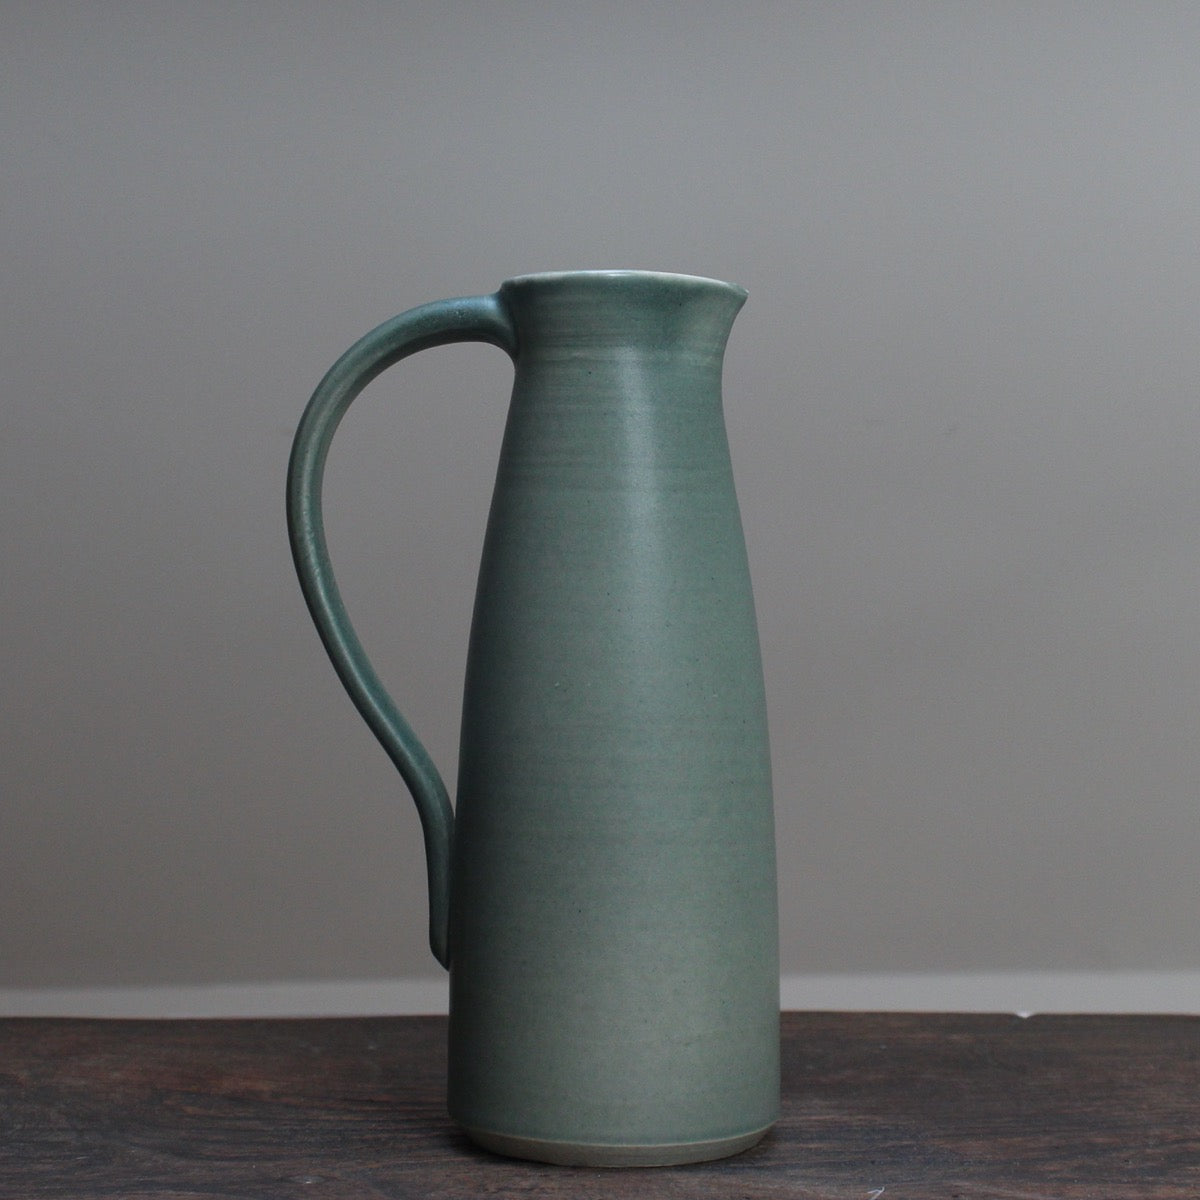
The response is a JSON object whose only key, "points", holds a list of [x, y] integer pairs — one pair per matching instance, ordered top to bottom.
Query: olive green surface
{"points": [[611, 922]]}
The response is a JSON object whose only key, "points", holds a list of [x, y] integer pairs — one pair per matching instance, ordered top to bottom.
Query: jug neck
{"points": [[596, 313]]}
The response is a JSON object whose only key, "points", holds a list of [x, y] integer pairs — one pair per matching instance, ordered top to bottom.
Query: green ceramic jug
{"points": [[603, 892]]}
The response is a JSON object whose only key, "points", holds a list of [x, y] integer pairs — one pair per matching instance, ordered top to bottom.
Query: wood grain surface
{"points": [[876, 1107]]}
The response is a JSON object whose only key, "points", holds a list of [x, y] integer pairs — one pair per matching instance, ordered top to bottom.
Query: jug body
{"points": [[604, 889], [614, 974]]}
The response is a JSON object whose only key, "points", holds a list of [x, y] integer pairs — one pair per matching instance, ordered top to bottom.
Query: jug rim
{"points": [[622, 273]]}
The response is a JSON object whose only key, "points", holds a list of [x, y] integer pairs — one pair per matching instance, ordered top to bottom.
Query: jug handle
{"points": [[471, 319]]}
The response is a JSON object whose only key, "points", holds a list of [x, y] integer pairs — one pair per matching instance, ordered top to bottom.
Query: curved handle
{"points": [[473, 319]]}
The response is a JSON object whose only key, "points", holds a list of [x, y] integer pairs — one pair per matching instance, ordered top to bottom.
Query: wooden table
{"points": [[875, 1107]]}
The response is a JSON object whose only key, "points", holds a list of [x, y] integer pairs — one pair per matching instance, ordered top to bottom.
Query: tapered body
{"points": [[611, 925]]}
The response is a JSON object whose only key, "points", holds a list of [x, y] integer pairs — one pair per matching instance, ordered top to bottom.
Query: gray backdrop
{"points": [[962, 401]]}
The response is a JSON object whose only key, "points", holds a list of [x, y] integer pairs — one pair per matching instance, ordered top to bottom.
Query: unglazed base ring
{"points": [[585, 1154]]}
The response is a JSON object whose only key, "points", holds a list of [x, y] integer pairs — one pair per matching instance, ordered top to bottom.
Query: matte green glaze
{"points": [[611, 921]]}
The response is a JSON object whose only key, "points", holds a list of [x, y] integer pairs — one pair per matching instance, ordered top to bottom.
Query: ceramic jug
{"points": [[603, 890]]}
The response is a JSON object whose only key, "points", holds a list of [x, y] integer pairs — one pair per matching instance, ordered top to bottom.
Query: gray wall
{"points": [[962, 401]]}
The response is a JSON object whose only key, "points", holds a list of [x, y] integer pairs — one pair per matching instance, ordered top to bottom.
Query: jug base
{"points": [[587, 1154]]}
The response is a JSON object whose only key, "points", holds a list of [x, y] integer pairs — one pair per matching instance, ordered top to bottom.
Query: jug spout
{"points": [[615, 316]]}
